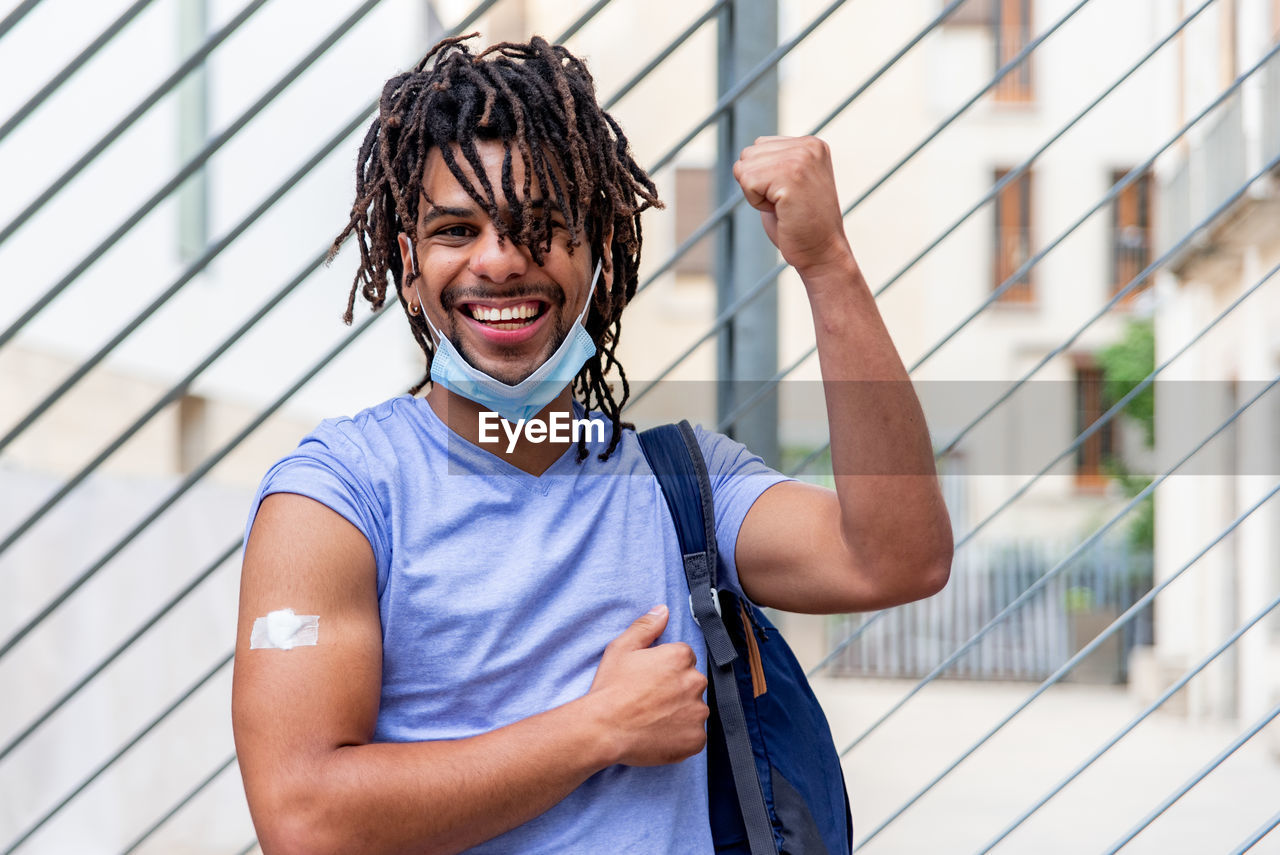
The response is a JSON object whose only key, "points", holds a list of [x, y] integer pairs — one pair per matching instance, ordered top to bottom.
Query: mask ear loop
{"points": [[595, 277], [422, 310]]}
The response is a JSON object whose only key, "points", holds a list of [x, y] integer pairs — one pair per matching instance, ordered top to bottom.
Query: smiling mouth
{"points": [[510, 317]]}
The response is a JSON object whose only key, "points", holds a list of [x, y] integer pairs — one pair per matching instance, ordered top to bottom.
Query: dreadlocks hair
{"points": [[539, 101]]}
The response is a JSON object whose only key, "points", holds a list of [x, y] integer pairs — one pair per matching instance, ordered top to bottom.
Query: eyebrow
{"points": [[446, 211]]}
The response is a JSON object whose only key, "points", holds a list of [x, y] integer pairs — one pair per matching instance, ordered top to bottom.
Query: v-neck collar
{"points": [[477, 461]]}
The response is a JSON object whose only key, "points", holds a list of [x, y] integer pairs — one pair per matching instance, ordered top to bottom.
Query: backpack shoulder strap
{"points": [[676, 460]]}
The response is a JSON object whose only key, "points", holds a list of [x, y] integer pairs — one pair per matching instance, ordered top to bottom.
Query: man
{"points": [[504, 656]]}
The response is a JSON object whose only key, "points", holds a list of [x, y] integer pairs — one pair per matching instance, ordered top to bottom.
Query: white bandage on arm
{"points": [[284, 630]]}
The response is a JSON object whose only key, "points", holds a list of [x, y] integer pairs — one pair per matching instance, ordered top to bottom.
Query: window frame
{"points": [[1011, 31], [1018, 195], [1132, 208], [1090, 403]]}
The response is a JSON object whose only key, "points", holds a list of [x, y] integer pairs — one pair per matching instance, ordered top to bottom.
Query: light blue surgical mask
{"points": [[525, 399]]}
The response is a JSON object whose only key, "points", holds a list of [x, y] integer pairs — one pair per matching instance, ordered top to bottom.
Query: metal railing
{"points": [[1190, 201]]}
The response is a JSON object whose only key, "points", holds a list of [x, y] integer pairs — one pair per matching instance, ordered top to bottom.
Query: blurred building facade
{"points": [[1039, 322]]}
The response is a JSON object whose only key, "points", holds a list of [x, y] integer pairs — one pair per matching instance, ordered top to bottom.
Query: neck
{"points": [[466, 418]]}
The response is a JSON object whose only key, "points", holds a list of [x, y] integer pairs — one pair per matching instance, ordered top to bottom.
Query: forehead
{"points": [[442, 188]]}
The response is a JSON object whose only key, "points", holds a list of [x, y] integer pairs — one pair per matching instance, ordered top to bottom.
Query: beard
{"points": [[505, 372], [513, 375]]}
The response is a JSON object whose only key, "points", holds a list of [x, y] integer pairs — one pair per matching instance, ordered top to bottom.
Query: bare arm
{"points": [[883, 536], [303, 718]]}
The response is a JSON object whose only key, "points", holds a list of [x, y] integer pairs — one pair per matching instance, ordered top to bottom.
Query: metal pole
{"points": [[193, 134], [747, 348]]}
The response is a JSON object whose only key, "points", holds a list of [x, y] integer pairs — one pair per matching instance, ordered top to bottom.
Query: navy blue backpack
{"points": [[774, 781]]}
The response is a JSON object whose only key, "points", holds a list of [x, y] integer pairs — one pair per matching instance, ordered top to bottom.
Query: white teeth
{"points": [[492, 315]]}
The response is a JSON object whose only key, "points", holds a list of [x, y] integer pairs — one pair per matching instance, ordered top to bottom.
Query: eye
{"points": [[458, 231]]}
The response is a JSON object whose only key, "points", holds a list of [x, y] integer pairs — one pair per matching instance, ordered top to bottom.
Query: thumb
{"points": [[644, 631]]}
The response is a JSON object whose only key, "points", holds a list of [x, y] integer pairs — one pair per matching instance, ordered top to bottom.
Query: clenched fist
{"points": [[789, 180], [653, 695]]}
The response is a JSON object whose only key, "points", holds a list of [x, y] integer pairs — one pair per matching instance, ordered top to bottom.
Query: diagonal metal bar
{"points": [[19, 12], [581, 21], [672, 47], [77, 62], [187, 66], [999, 75], [748, 80], [189, 168], [1017, 171], [1129, 178], [726, 207], [719, 214], [194, 269], [1142, 276], [769, 279], [991, 298], [179, 388], [176, 391], [1119, 405], [1114, 410], [809, 459], [191, 480], [187, 483], [1054, 571], [1115, 626], [48, 713], [1138, 719], [134, 740], [1195, 779], [180, 804], [1256, 837], [252, 846]]}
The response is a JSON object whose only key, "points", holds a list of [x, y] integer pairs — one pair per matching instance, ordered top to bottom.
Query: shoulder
{"points": [[367, 440], [728, 459], [353, 465]]}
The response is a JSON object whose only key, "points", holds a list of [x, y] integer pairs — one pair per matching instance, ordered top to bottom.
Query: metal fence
{"points": [[1032, 613], [1035, 641]]}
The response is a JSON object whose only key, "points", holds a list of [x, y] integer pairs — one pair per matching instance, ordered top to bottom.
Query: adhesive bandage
{"points": [[284, 630]]}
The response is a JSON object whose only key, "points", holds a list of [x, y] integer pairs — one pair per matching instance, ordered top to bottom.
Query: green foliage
{"points": [[1124, 365], [1141, 531], [1078, 599]]}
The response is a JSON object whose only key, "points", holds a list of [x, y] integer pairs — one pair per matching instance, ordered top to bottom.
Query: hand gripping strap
{"points": [[676, 460]]}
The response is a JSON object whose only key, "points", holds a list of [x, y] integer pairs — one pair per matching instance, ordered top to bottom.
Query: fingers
{"points": [[791, 182], [643, 632]]}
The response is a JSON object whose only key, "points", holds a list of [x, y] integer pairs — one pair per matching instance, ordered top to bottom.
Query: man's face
{"points": [[505, 314]]}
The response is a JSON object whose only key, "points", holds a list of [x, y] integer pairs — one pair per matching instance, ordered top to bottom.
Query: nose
{"points": [[498, 259]]}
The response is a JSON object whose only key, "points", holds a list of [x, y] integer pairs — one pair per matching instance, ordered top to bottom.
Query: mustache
{"points": [[458, 294]]}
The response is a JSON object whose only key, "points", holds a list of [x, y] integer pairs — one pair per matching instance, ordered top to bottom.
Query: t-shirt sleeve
{"points": [[330, 467], [738, 478]]}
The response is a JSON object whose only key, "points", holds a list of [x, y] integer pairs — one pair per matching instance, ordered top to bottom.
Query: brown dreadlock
{"points": [[537, 99]]}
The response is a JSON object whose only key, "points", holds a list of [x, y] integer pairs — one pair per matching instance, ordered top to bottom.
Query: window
{"points": [[1011, 26], [693, 206], [1130, 232], [1013, 236], [1093, 453]]}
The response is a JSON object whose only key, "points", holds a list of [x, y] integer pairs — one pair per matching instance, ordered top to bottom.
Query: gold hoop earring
{"points": [[414, 309]]}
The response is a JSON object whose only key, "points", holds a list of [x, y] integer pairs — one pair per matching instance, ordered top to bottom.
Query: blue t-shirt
{"points": [[499, 590]]}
